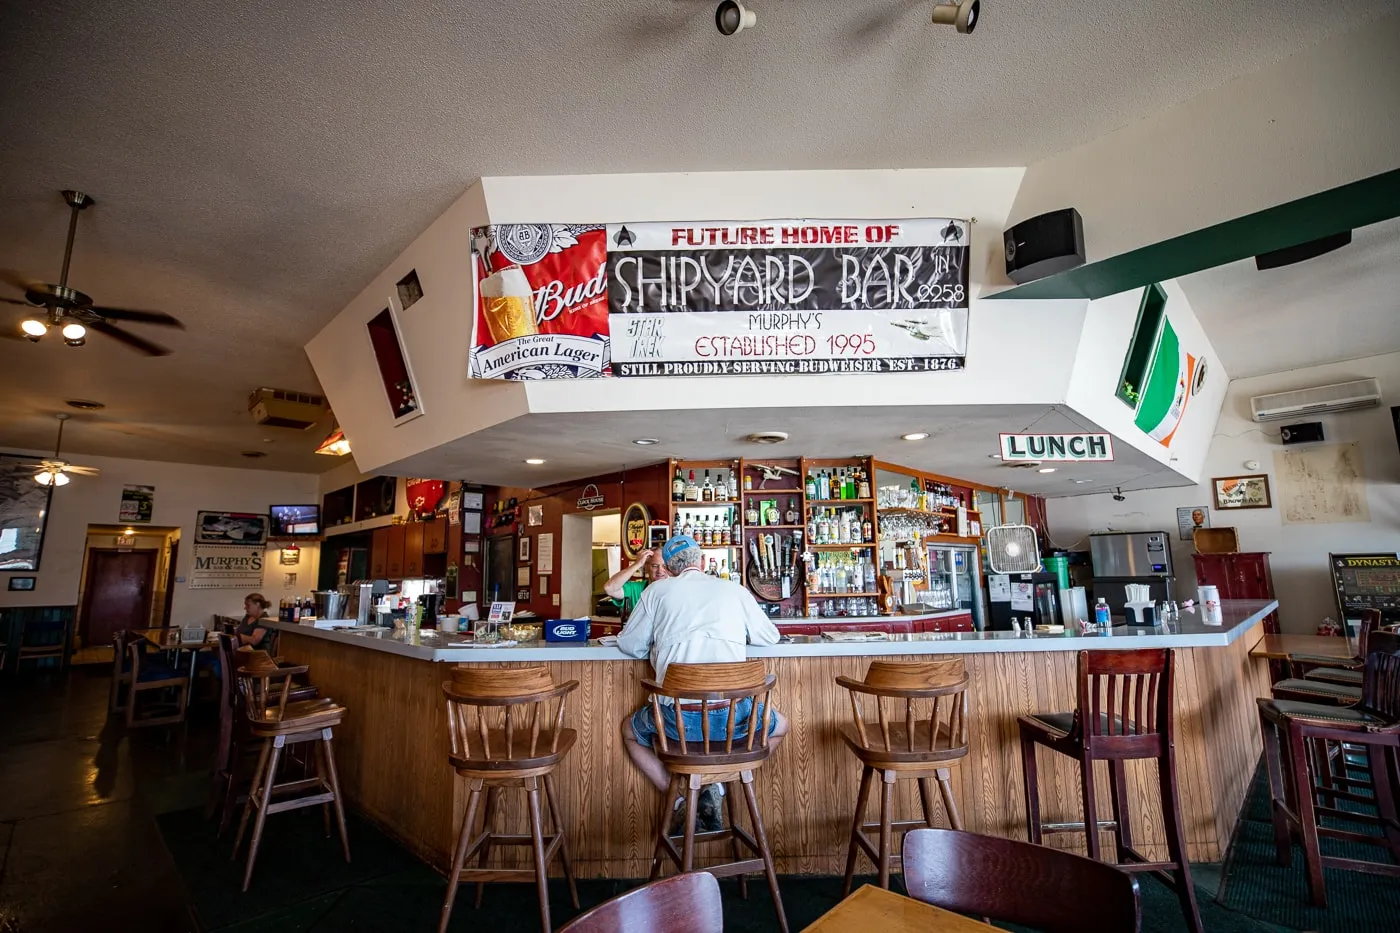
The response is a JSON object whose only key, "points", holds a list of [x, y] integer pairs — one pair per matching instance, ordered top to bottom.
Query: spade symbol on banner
{"points": [[951, 232], [624, 237]]}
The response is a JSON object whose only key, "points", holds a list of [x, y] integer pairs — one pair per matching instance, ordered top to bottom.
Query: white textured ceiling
{"points": [[255, 163], [1339, 306]]}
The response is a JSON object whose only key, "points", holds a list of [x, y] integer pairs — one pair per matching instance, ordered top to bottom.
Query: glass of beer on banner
{"points": [[508, 304]]}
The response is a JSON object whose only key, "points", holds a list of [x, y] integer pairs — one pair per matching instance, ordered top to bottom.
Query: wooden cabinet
{"points": [[435, 536], [413, 550], [379, 554], [393, 566], [1245, 575], [957, 623]]}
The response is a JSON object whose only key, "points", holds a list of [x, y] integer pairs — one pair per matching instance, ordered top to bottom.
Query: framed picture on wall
{"points": [[1242, 492], [24, 514], [524, 555], [22, 583]]}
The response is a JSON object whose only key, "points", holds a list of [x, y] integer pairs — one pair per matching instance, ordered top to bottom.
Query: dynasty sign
{"points": [[771, 297]]}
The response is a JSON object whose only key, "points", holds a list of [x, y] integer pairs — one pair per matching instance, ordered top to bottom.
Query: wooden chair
{"points": [[43, 639], [1345, 671], [150, 673], [121, 674], [1125, 711], [280, 724], [1290, 728], [504, 734], [900, 744], [728, 759], [226, 775], [1016, 882], [688, 903]]}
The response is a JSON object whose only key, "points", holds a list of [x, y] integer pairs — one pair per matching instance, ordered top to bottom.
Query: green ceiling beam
{"points": [[1348, 207]]}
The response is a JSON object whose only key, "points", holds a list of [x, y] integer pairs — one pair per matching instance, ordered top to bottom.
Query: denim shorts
{"points": [[644, 725]]}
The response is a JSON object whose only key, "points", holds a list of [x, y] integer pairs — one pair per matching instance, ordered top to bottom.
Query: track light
{"points": [[963, 15], [731, 16], [33, 328], [75, 335], [1118, 495]]}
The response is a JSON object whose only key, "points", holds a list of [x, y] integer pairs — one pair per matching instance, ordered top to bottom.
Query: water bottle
{"points": [[1103, 616]]}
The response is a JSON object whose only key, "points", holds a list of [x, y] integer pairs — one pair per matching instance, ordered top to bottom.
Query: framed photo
{"points": [[400, 387], [1242, 492], [24, 514], [1191, 517], [230, 528], [524, 555], [22, 583]]}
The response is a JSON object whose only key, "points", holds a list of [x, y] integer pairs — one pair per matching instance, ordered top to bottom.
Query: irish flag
{"points": [[1167, 387]]}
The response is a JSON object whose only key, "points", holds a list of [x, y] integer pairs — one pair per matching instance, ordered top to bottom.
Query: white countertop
{"points": [[1240, 615]]}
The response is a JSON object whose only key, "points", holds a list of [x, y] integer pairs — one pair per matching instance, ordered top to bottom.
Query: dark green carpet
{"points": [[301, 883], [1255, 884]]}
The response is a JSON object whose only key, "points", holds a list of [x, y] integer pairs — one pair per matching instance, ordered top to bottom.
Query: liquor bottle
{"points": [[748, 482], [733, 486], [823, 486], [678, 487], [721, 487], [811, 487], [848, 487], [863, 490], [692, 491], [707, 492], [751, 514], [791, 516], [686, 526], [867, 531], [711, 533], [736, 533], [726, 537], [714, 568], [724, 569]]}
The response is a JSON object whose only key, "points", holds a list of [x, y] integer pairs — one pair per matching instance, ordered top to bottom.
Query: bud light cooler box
{"points": [[566, 630]]}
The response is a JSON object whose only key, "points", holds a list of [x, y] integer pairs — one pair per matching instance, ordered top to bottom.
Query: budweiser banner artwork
{"points": [[560, 301]]}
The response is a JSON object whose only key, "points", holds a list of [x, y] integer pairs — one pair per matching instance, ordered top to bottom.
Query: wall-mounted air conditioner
{"points": [[1344, 396]]}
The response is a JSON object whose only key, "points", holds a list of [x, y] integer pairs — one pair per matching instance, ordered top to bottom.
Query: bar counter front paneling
{"points": [[392, 746]]}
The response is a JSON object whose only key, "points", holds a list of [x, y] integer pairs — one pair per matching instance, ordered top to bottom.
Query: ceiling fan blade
{"points": [[22, 282], [18, 301], [141, 317], [131, 340], [31, 466], [82, 470]]}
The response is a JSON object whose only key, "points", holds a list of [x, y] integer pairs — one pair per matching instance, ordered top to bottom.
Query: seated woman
{"points": [[253, 632]]}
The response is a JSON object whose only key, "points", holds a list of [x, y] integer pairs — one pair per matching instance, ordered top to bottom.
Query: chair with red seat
{"points": [[688, 903]]}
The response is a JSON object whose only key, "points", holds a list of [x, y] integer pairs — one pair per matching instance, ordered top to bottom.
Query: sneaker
{"points": [[711, 816], [677, 824]]}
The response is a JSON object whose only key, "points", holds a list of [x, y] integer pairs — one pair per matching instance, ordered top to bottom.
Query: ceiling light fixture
{"points": [[964, 15], [732, 17], [33, 328], [75, 335], [84, 404], [915, 436], [767, 437], [646, 441], [335, 444], [534, 461], [1046, 470], [51, 478], [1118, 495]]}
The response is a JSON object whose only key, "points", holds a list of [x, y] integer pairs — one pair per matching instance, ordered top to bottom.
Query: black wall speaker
{"points": [[1044, 245], [1308, 432]]}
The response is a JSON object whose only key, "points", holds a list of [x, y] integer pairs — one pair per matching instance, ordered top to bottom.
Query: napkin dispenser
{"points": [[1141, 613]]}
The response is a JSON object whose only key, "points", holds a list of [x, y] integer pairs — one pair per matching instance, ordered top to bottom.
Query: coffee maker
{"points": [[362, 597], [431, 603]]}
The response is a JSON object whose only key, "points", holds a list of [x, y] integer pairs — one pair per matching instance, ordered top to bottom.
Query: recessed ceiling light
{"points": [[84, 404], [915, 436], [767, 437], [646, 441], [993, 456], [534, 461], [1046, 470], [1081, 482]]}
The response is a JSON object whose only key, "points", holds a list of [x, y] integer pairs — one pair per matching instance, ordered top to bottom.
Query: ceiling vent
{"points": [[1344, 396], [282, 408], [767, 437]]}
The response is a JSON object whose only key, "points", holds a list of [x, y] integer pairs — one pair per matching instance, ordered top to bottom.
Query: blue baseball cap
{"points": [[677, 544]]}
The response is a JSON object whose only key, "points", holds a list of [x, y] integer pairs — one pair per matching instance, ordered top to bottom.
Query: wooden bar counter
{"points": [[392, 747]]}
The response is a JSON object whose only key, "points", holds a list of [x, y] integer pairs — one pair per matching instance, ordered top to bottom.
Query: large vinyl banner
{"points": [[677, 299]]}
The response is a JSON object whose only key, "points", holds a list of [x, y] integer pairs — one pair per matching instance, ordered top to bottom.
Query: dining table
{"points": [[171, 640], [1279, 647], [872, 909]]}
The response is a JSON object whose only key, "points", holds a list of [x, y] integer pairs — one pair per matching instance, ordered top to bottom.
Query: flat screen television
{"points": [[294, 521]]}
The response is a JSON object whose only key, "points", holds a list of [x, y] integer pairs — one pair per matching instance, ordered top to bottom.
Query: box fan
{"points": [[1012, 549]]}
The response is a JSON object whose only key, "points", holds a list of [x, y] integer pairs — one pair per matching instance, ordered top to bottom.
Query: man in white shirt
{"points": [[692, 618]]}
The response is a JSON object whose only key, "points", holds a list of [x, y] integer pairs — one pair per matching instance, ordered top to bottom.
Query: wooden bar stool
{"points": [[1125, 711], [282, 724], [1292, 729], [503, 734], [904, 746], [728, 759]]}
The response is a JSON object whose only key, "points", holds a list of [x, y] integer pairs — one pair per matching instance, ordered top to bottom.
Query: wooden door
{"points": [[435, 536], [413, 550], [379, 554], [394, 563], [120, 584]]}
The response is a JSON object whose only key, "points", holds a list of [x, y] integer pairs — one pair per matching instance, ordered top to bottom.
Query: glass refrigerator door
{"points": [[955, 582]]}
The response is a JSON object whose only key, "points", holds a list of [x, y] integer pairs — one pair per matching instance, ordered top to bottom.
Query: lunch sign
{"points": [[562, 301]]}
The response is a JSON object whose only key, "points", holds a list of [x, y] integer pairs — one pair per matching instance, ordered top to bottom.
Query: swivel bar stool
{"points": [[1125, 712], [504, 734], [901, 745]]}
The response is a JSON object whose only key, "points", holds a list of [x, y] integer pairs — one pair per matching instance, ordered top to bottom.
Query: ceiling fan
{"points": [[74, 311], [54, 472]]}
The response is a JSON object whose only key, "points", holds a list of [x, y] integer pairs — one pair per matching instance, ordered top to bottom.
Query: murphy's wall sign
{"points": [[559, 301], [1057, 447], [218, 566]]}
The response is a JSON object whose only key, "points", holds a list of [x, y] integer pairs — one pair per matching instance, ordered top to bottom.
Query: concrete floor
{"points": [[79, 847]]}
